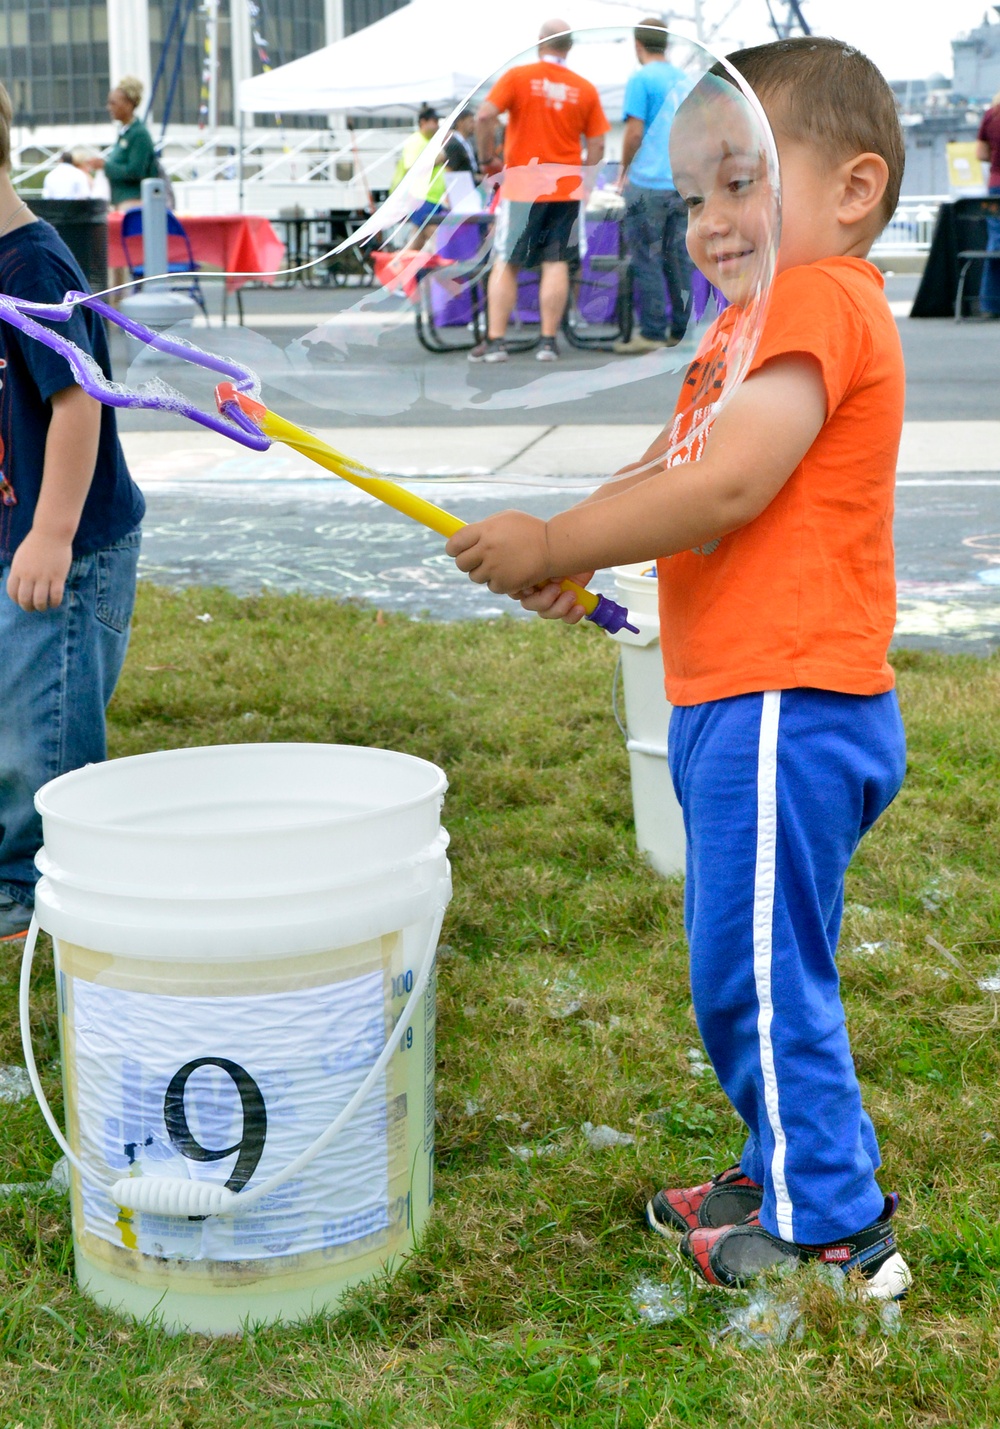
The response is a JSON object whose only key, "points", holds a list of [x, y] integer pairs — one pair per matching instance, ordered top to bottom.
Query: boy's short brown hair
{"points": [[832, 96], [6, 119]]}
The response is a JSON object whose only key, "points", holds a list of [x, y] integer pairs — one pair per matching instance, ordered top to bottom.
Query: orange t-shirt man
{"points": [[548, 107], [805, 594]]}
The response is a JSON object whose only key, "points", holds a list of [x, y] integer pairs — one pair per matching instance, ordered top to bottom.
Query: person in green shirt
{"points": [[133, 157], [426, 215]]}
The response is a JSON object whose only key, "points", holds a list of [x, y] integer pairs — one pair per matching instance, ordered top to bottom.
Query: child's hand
{"points": [[509, 552], [38, 571], [551, 602]]}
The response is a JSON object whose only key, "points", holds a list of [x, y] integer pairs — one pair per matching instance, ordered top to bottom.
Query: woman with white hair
{"points": [[988, 150], [133, 157]]}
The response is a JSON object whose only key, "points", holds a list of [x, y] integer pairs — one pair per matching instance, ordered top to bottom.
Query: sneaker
{"points": [[637, 344], [492, 349], [547, 350], [14, 919], [724, 1201], [732, 1255]]}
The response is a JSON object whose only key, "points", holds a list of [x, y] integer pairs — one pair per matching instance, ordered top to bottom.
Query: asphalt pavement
{"points": [[474, 439]]}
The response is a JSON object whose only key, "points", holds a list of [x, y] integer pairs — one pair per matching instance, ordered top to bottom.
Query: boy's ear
{"points": [[864, 178]]}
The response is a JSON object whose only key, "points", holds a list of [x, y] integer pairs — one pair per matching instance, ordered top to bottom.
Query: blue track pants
{"points": [[777, 790]]}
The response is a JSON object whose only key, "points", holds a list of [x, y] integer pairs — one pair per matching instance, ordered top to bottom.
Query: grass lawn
{"points": [[563, 999]]}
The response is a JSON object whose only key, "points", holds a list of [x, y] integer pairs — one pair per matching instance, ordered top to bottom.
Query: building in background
{"points": [[59, 56]]}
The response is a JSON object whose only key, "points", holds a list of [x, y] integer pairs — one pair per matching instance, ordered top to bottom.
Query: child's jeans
{"points": [[58, 670], [776, 790]]}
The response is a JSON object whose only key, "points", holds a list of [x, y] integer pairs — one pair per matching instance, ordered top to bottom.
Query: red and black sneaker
{"points": [[724, 1201], [731, 1256]]}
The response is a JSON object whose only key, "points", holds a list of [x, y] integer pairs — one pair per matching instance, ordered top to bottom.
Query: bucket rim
{"points": [[202, 751]]}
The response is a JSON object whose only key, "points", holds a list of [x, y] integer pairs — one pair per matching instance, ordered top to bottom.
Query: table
{"points": [[960, 225], [236, 243]]}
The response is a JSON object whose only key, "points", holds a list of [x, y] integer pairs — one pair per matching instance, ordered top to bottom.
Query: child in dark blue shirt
{"points": [[69, 545]]}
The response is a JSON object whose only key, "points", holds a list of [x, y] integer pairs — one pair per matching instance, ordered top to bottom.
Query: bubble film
{"points": [[444, 240], [392, 355]]}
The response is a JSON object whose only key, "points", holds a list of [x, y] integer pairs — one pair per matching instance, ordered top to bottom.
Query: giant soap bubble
{"points": [[447, 245]]}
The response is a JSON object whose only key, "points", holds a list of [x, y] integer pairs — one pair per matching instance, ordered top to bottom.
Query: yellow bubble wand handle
{"points": [[598, 608]]}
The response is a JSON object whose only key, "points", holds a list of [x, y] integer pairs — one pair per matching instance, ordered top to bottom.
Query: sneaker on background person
{"points": [[638, 344], [491, 349], [547, 350], [15, 919], [732, 1256]]}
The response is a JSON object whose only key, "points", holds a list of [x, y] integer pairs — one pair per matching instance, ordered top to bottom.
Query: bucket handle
{"points": [[171, 1196]]}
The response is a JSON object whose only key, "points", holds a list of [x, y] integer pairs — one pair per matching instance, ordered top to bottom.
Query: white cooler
{"points": [[659, 826]]}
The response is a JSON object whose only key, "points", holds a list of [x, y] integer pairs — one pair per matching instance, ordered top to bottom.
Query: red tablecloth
{"points": [[233, 242]]}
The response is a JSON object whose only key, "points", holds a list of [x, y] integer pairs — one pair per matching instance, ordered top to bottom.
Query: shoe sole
{"points": [[501, 358], [13, 937], [671, 1233], [891, 1281]]}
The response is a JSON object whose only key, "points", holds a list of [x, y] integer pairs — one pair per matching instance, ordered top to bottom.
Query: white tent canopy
{"points": [[437, 52]]}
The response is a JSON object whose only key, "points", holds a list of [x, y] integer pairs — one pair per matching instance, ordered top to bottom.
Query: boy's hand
{"points": [[509, 552], [38, 571], [551, 602]]}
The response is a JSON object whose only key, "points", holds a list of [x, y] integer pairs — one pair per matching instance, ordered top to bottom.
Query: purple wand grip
{"points": [[611, 616]]}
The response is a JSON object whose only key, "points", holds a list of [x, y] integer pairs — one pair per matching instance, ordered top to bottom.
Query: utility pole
{"points": [[794, 20], [705, 30], [212, 59]]}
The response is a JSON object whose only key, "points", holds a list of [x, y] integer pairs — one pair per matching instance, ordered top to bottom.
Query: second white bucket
{"points": [[659, 824], [244, 941]]}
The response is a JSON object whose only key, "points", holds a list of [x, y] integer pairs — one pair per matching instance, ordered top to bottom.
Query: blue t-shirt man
{"points": [[653, 95]]}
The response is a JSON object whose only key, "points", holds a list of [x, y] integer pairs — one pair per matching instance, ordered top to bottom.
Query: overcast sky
{"points": [[907, 39]]}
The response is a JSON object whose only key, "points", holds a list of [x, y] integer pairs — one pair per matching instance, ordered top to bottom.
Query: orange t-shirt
{"points": [[549, 107], [805, 594]]}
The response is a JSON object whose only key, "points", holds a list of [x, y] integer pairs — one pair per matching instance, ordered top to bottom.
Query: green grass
{"points": [[517, 1310]]}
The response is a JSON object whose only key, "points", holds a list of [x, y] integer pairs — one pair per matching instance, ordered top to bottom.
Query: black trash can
{"points": [[82, 224]]}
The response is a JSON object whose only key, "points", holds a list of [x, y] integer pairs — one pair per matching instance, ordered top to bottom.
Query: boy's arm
{"points": [[755, 445], [42, 560]]}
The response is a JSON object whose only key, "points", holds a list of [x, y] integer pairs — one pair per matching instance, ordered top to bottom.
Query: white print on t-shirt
{"points": [[555, 94], [700, 422], [686, 451]]}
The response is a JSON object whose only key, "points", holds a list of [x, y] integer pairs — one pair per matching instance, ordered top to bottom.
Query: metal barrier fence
{"points": [[911, 227]]}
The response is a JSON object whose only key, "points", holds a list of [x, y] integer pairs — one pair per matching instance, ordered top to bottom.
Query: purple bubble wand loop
{"points": [[158, 396]]}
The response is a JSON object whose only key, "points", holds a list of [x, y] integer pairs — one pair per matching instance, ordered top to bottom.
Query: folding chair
{"points": [[970, 227], [132, 244]]}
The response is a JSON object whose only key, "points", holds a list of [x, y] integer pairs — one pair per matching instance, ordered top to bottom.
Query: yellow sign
{"points": [[965, 171]]}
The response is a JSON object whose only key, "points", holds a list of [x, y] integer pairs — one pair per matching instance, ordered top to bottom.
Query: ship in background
{"points": [[938, 111]]}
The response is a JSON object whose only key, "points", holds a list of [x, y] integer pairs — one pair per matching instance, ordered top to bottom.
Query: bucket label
{"points": [[230, 1090]]}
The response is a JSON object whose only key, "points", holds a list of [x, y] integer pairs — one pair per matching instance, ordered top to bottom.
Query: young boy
{"points": [[69, 545], [777, 606]]}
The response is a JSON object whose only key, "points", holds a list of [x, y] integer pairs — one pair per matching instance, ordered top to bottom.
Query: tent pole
{"points": [[239, 161]]}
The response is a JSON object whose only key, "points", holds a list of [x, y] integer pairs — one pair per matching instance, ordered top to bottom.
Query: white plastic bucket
{"points": [[659, 824], [244, 943]]}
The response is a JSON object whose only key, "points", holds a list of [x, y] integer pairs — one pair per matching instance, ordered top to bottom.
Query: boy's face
{"points": [[720, 169]]}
